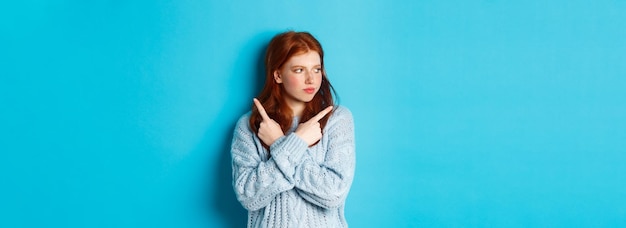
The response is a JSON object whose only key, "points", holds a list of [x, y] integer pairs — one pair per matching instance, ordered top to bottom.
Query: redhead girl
{"points": [[293, 154]]}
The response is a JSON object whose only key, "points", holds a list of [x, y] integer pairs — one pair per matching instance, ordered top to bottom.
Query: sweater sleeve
{"points": [[257, 181], [327, 184]]}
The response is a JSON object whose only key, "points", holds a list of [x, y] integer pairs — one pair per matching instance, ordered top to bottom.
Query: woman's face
{"points": [[301, 77]]}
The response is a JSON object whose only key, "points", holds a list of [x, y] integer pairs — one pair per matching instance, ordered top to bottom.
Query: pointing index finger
{"points": [[259, 106], [321, 114]]}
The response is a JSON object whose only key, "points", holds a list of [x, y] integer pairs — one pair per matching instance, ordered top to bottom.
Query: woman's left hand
{"points": [[269, 130]]}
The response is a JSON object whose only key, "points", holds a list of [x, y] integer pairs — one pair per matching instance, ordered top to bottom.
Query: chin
{"points": [[308, 99]]}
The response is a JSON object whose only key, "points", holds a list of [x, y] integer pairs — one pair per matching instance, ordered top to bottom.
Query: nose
{"points": [[308, 78]]}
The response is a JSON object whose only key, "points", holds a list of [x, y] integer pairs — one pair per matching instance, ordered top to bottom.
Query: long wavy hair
{"points": [[280, 49]]}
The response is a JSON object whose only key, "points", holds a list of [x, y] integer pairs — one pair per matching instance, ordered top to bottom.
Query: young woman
{"points": [[293, 154]]}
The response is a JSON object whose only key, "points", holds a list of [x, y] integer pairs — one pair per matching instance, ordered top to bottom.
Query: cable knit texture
{"points": [[297, 186]]}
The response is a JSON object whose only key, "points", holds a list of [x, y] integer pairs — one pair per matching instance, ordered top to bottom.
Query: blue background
{"points": [[481, 113]]}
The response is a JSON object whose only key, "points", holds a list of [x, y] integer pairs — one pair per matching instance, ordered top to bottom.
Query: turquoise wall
{"points": [[468, 113]]}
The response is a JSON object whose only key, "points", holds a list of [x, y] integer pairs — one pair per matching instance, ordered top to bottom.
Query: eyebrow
{"points": [[296, 66]]}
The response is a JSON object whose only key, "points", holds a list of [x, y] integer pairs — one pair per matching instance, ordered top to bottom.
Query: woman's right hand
{"points": [[269, 130], [310, 131]]}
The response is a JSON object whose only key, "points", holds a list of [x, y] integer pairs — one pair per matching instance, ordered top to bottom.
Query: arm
{"points": [[257, 182], [327, 184]]}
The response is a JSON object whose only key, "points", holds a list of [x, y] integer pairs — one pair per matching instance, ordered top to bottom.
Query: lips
{"points": [[309, 90]]}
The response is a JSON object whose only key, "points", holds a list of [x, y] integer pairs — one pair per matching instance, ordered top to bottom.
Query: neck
{"points": [[297, 108]]}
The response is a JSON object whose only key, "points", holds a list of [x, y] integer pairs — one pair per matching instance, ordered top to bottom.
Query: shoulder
{"points": [[341, 112], [340, 116], [243, 122], [340, 125]]}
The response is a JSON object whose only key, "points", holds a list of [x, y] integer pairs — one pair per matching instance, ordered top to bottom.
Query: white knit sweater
{"points": [[297, 186]]}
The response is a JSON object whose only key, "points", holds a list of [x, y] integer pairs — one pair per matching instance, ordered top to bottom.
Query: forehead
{"points": [[310, 58]]}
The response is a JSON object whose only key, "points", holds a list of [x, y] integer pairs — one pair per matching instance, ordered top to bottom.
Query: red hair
{"points": [[280, 49]]}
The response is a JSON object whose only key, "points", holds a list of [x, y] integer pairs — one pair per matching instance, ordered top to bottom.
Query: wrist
{"points": [[276, 139]]}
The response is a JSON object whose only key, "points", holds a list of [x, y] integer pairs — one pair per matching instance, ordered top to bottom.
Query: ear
{"points": [[277, 77]]}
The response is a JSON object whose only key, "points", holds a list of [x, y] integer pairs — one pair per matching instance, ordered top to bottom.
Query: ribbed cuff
{"points": [[288, 152]]}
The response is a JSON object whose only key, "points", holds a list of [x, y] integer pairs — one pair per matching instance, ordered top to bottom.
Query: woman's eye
{"points": [[297, 70], [317, 70]]}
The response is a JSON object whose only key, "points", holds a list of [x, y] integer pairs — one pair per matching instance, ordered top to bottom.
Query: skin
{"points": [[300, 73]]}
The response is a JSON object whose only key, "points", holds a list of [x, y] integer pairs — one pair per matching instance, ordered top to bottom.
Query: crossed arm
{"points": [[326, 184]]}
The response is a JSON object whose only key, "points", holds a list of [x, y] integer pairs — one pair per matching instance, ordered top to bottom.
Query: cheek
{"points": [[318, 80], [292, 82]]}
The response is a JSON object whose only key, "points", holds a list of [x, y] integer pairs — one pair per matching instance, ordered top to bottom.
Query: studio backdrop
{"points": [[467, 113]]}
